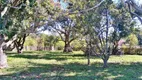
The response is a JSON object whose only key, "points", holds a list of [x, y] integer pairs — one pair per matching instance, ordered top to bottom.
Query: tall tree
{"points": [[7, 9], [96, 24], [100, 27], [67, 29], [51, 41]]}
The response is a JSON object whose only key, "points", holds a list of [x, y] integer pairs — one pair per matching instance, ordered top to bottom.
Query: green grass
{"points": [[70, 66]]}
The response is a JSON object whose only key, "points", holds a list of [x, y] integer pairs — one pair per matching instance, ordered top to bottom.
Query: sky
{"points": [[138, 1], [63, 5]]}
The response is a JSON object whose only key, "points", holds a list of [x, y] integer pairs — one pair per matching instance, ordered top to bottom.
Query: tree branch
{"points": [[136, 7], [86, 10], [4, 11], [60, 35], [73, 39]]}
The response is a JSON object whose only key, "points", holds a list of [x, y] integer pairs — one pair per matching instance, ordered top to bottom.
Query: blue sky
{"points": [[138, 1], [63, 5]]}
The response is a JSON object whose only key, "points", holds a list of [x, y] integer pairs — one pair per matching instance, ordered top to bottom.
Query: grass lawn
{"points": [[70, 66]]}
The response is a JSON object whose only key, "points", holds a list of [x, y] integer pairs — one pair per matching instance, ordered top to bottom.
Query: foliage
{"points": [[67, 29], [41, 40], [51, 40], [132, 40], [30, 41], [60, 45], [78, 45], [131, 51]]}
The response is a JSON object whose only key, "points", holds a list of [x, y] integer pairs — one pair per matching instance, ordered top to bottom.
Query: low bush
{"points": [[60, 45], [77, 45], [131, 50]]}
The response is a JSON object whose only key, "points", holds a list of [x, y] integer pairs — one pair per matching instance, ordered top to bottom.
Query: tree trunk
{"points": [[19, 43], [52, 48], [67, 48], [19, 49], [115, 50], [106, 54], [88, 56], [3, 57], [105, 60], [105, 65]]}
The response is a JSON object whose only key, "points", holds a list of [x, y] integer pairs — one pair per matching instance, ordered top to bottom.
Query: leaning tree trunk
{"points": [[19, 43], [67, 48], [19, 50], [3, 57]]}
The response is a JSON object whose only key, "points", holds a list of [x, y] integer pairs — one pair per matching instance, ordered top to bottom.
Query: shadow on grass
{"points": [[47, 55], [71, 70], [77, 71]]}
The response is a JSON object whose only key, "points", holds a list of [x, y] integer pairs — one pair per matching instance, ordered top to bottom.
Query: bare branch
{"points": [[19, 7], [139, 9], [86, 10], [4, 11], [140, 19], [59, 30], [60, 35], [73, 39]]}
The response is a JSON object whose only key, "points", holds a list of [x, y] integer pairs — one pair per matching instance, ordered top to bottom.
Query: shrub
{"points": [[60, 45], [77, 45], [133, 50]]}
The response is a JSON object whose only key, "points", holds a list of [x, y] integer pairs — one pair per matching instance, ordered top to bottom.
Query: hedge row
{"points": [[132, 50]]}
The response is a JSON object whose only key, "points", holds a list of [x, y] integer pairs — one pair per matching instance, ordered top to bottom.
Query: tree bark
{"points": [[19, 43], [67, 48], [115, 49], [19, 50], [3, 57], [88, 57], [105, 65]]}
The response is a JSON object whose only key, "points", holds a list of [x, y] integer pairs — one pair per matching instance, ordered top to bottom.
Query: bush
{"points": [[30, 41], [60, 45], [77, 45], [132, 50]]}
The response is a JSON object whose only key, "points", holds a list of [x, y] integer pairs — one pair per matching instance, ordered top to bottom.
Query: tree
{"points": [[7, 9], [4, 11], [96, 25], [123, 25], [67, 29], [101, 29], [30, 41], [51, 41], [133, 41], [19, 43], [78, 44]]}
